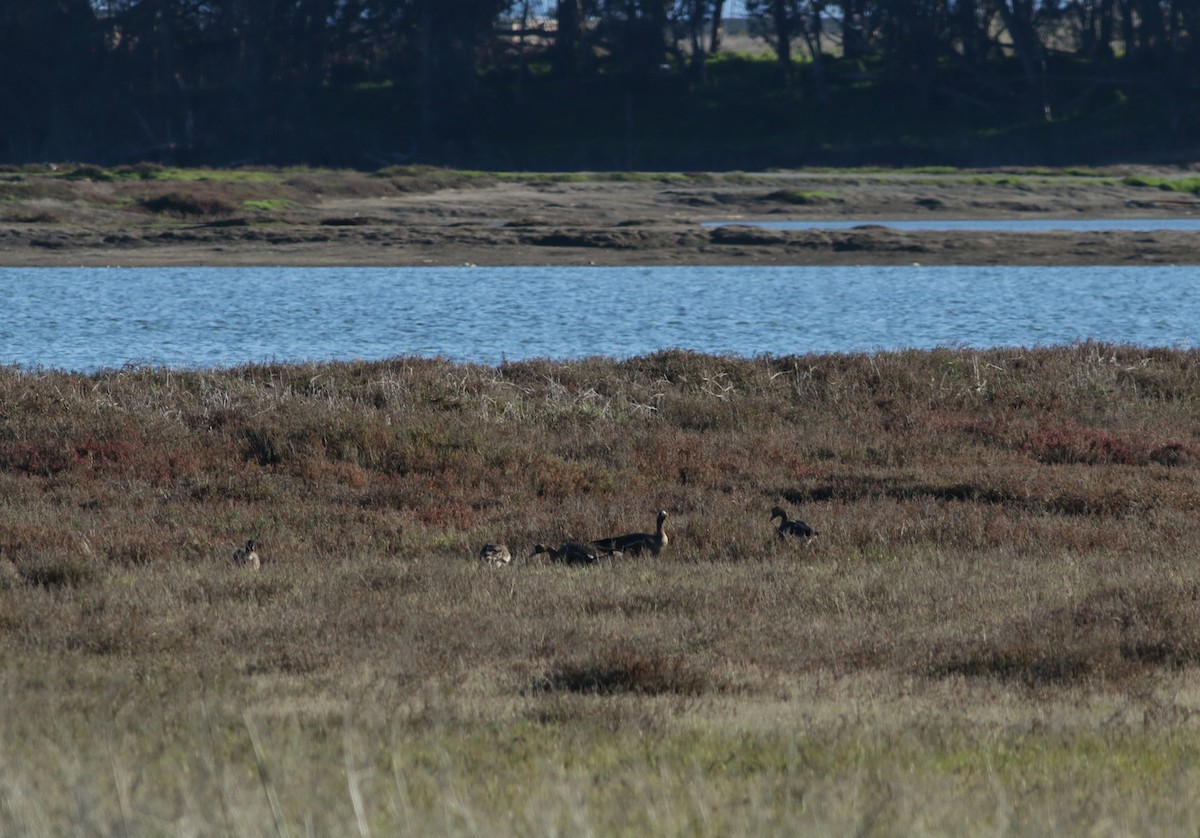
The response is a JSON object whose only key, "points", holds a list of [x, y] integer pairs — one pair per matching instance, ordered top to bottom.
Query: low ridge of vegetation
{"points": [[997, 623]]}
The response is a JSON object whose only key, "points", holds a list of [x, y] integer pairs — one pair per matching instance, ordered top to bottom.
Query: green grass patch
{"points": [[1071, 171], [89, 172], [156, 172], [432, 173], [212, 175], [220, 175], [458, 175], [640, 177], [413, 178], [996, 180], [1189, 185], [800, 198], [268, 204], [233, 754]]}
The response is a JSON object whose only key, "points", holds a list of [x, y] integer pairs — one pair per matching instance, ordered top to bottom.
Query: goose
{"points": [[798, 529], [638, 542], [576, 552], [247, 555], [496, 555]]}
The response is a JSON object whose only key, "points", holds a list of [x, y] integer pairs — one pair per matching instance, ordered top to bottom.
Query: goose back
{"points": [[636, 543], [575, 552]]}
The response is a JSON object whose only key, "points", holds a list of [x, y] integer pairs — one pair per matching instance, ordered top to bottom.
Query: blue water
{"points": [[994, 225], [92, 318]]}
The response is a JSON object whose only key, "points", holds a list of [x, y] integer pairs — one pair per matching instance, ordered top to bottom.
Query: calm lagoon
{"points": [[92, 318]]}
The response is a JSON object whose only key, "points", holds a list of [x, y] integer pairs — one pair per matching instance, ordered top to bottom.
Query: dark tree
{"points": [[635, 34], [569, 40], [50, 74], [376, 81]]}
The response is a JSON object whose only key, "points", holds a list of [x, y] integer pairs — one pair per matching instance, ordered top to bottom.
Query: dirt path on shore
{"points": [[427, 217]]}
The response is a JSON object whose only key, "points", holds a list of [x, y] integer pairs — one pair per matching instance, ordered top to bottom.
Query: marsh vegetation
{"points": [[997, 628]]}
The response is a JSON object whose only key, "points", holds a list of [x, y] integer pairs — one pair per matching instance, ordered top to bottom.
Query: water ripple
{"points": [[90, 318]]}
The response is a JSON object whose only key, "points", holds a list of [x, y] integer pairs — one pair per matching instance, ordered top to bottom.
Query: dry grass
{"points": [[996, 629]]}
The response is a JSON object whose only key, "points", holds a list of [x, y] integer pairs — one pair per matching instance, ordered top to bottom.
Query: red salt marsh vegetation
{"points": [[997, 628]]}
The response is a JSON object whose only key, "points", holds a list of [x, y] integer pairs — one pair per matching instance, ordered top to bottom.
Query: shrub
{"points": [[89, 172], [189, 203], [1088, 446], [58, 570], [1112, 634], [626, 670]]}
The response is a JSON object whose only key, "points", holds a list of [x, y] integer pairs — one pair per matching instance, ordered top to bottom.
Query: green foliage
{"points": [[89, 172], [213, 175], [997, 180], [1189, 185], [801, 198], [267, 204]]}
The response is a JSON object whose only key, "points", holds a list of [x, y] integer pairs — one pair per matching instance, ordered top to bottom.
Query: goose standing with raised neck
{"points": [[788, 528], [636, 543], [496, 555]]}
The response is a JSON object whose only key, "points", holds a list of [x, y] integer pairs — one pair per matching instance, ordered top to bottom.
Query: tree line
{"points": [[599, 82]]}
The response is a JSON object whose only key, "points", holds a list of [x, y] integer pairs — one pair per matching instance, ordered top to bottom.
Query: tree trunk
{"points": [[1018, 19], [696, 30], [813, 33], [567, 38], [853, 38], [783, 39], [714, 43], [1105, 44], [426, 77], [171, 85]]}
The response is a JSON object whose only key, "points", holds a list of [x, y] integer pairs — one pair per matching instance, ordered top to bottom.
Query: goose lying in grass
{"points": [[788, 528], [636, 543], [576, 552], [496, 555]]}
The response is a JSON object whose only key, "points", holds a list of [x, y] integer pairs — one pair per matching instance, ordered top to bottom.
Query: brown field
{"points": [[996, 631]]}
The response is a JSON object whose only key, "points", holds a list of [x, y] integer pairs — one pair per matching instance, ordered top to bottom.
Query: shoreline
{"points": [[356, 219], [874, 247]]}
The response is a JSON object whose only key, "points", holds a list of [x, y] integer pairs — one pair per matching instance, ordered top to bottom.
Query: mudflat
{"points": [[411, 216]]}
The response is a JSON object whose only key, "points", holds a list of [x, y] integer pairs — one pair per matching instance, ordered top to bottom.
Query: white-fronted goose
{"points": [[796, 529], [636, 543], [576, 552], [247, 555], [497, 555]]}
